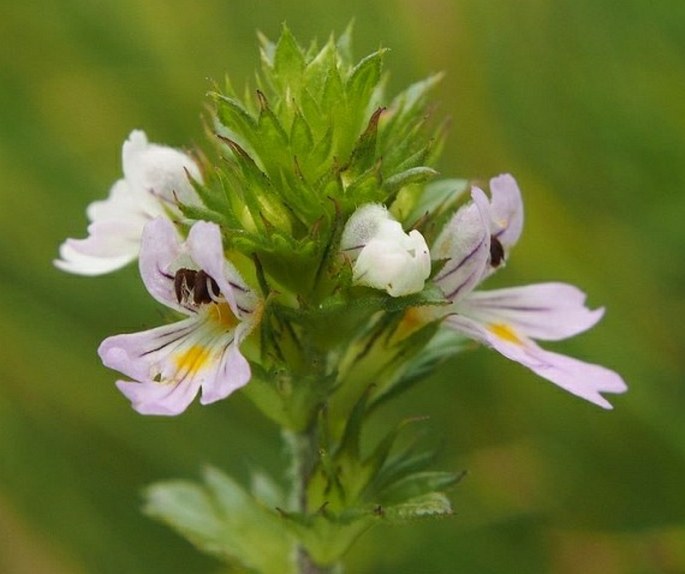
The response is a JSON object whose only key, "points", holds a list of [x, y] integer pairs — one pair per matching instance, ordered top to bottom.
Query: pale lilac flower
{"points": [[155, 180], [475, 242], [384, 256], [172, 363]]}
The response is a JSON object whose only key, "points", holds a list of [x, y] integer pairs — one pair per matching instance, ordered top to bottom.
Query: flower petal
{"points": [[159, 169], [125, 203], [506, 210], [362, 227], [113, 236], [465, 243], [206, 250], [160, 252], [384, 256], [72, 260], [398, 267], [545, 311], [142, 355], [173, 362], [232, 372], [582, 379], [152, 398]]}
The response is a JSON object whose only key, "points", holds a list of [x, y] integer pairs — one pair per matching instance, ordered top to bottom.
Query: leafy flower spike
{"points": [[155, 180], [475, 242], [385, 257], [171, 363]]}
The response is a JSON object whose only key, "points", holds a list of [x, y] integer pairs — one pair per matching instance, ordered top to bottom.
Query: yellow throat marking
{"points": [[222, 314], [505, 332], [192, 359]]}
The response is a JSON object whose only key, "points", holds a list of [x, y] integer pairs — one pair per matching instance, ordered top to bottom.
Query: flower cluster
{"points": [[312, 262], [192, 277]]}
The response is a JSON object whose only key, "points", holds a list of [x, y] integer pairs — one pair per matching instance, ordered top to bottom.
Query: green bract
{"points": [[317, 138]]}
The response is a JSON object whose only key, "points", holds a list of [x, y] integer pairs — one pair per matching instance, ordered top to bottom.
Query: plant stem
{"points": [[303, 449]]}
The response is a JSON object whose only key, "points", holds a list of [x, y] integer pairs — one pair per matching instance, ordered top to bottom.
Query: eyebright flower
{"points": [[155, 179], [477, 241], [385, 257], [172, 363]]}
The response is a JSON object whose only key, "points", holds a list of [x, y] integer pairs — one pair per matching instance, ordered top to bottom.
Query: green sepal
{"points": [[219, 517]]}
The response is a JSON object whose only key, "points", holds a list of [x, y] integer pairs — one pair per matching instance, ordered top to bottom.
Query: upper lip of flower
{"points": [[509, 320], [172, 363]]}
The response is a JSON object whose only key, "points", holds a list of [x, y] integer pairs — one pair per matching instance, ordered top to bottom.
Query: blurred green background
{"points": [[583, 100]]}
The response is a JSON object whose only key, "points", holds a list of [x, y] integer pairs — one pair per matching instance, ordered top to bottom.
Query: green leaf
{"points": [[344, 44], [288, 61], [317, 69], [363, 80], [333, 97], [236, 119], [301, 140], [364, 153], [414, 175], [437, 196], [202, 214], [443, 344], [419, 484], [432, 505], [222, 519], [327, 536]]}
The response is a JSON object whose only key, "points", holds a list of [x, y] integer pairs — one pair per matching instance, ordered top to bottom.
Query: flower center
{"points": [[222, 314], [505, 332]]}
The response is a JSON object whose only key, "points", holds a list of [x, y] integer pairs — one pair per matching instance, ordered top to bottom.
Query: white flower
{"points": [[155, 177], [385, 257], [170, 364]]}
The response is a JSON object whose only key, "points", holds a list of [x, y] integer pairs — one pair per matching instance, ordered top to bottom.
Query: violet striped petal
{"points": [[506, 210], [465, 243], [545, 311], [584, 380]]}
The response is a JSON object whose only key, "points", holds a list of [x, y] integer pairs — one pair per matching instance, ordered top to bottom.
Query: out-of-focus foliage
{"points": [[581, 100]]}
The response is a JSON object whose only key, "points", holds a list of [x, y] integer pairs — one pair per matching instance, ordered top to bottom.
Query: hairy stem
{"points": [[303, 450]]}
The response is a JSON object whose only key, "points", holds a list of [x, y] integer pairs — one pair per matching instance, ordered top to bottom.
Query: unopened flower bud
{"points": [[385, 257]]}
